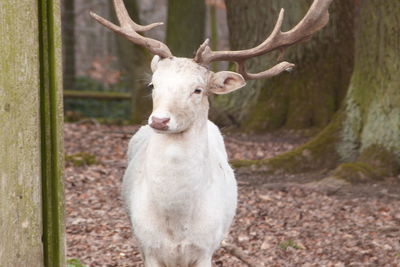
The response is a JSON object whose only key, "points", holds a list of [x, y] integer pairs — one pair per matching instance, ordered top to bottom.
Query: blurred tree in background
{"points": [[186, 26], [68, 36], [90, 61], [134, 61], [312, 93], [369, 121], [362, 141]]}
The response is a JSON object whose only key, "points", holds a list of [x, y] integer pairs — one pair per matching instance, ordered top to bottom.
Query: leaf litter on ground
{"points": [[285, 225]]}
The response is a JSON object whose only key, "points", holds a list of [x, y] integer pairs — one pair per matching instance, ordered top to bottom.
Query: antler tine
{"points": [[315, 19], [126, 21], [129, 30], [200, 51], [275, 70]]}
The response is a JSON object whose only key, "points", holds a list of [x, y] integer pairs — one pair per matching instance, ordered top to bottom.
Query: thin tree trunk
{"points": [[186, 26], [68, 34], [133, 60], [291, 100]]}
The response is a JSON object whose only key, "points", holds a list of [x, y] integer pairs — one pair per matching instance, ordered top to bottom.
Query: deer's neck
{"points": [[179, 151], [177, 168]]}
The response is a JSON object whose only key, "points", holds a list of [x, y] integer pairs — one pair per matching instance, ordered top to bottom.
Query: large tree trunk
{"points": [[186, 26], [291, 100], [370, 133], [364, 136], [31, 147]]}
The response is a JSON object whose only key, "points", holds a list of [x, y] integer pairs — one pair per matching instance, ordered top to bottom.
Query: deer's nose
{"points": [[159, 123]]}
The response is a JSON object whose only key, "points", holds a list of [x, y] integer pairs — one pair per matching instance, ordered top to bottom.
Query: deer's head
{"points": [[181, 85], [180, 89]]}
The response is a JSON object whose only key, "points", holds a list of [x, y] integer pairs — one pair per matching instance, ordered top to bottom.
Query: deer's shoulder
{"points": [[139, 141], [216, 141]]}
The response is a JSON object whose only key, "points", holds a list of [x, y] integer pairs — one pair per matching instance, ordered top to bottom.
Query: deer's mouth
{"points": [[159, 126]]}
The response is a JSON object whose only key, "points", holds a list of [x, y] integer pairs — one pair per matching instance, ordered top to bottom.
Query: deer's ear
{"points": [[154, 63], [224, 82]]}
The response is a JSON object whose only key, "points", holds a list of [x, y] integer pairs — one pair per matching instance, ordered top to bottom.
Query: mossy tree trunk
{"points": [[186, 26], [134, 61], [291, 100], [370, 135], [363, 141], [31, 161], [20, 205]]}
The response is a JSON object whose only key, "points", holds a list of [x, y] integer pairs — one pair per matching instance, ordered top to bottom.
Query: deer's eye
{"points": [[150, 86], [197, 91]]}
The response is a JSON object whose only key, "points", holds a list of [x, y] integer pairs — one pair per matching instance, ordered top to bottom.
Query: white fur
{"points": [[179, 189]]}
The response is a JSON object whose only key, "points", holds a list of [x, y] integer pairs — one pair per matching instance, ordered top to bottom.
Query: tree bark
{"points": [[186, 26], [291, 100], [370, 136], [363, 138], [31, 161], [20, 194]]}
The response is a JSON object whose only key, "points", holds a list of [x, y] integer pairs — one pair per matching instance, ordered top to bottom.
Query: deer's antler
{"points": [[315, 19], [130, 29]]}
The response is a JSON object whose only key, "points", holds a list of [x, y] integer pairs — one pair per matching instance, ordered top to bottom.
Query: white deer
{"points": [[179, 189]]}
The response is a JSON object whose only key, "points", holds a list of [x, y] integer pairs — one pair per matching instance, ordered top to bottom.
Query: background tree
{"points": [[186, 26], [68, 34], [94, 45], [134, 61], [291, 100], [363, 138]]}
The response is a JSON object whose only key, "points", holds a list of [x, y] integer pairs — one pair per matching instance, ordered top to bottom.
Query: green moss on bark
{"points": [[51, 124], [371, 130], [319, 153], [375, 162], [354, 172], [31, 217]]}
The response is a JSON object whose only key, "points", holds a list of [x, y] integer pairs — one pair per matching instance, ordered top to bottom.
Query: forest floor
{"points": [[281, 220]]}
